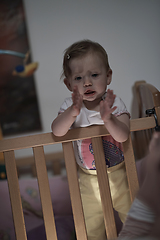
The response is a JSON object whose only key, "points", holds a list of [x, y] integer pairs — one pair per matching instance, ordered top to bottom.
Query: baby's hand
{"points": [[77, 101], [106, 106]]}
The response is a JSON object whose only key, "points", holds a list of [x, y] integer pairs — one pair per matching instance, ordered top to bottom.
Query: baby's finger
{"points": [[75, 89], [110, 94], [113, 109]]}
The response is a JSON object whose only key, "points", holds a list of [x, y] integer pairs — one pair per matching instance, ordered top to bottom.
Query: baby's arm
{"points": [[63, 122], [118, 127]]}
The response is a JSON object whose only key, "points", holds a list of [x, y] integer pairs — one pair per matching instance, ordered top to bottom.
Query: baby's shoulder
{"points": [[118, 101], [121, 107]]}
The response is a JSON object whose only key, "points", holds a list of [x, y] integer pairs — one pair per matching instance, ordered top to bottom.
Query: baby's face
{"points": [[89, 74]]}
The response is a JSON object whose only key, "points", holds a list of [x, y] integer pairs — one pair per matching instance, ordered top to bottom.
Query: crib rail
{"points": [[72, 135], [37, 142]]}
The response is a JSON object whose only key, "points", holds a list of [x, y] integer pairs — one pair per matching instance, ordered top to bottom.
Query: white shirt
{"points": [[83, 148]]}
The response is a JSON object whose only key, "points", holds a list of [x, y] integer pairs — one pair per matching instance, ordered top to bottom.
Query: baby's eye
{"points": [[95, 75], [78, 78]]}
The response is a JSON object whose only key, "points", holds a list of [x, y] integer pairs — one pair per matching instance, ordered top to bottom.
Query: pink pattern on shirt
{"points": [[112, 149]]}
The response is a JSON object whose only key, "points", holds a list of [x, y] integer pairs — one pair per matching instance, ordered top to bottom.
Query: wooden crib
{"points": [[37, 143]]}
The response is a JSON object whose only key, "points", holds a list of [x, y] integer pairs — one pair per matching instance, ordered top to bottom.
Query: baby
{"points": [[87, 74]]}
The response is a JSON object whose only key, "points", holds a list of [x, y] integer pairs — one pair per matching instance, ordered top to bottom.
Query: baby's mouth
{"points": [[89, 92]]}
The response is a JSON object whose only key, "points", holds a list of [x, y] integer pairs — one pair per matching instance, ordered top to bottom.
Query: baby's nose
{"points": [[87, 82]]}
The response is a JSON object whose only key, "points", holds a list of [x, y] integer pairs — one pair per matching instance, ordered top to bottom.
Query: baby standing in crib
{"points": [[87, 74]]}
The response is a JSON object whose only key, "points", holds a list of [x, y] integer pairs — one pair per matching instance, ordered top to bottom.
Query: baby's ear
{"points": [[109, 76], [67, 83]]}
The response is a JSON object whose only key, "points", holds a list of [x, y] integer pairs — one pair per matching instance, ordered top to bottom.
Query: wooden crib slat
{"points": [[130, 167], [104, 188], [44, 189], [75, 195], [15, 196]]}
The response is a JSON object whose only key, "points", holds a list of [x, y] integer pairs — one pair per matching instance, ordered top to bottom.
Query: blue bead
{"points": [[20, 68]]}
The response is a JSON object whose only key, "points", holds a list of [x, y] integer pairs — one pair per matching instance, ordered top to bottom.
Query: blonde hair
{"points": [[80, 49]]}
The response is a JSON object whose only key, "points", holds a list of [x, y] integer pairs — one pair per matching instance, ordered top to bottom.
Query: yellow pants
{"points": [[92, 202]]}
